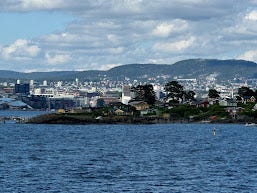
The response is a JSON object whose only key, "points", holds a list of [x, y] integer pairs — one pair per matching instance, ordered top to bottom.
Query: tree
{"points": [[175, 90], [245, 91], [144, 93], [213, 93], [190, 95], [100, 102]]}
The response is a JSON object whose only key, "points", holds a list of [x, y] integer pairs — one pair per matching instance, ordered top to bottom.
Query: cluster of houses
{"points": [[124, 96], [229, 105]]}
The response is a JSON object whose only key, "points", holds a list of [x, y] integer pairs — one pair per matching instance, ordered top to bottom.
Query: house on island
{"points": [[248, 99], [227, 102], [141, 106]]}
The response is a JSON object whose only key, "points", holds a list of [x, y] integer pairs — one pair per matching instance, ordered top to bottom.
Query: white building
{"points": [[44, 83], [126, 94]]}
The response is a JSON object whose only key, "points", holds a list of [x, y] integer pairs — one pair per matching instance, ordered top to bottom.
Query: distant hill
{"points": [[192, 68], [225, 69]]}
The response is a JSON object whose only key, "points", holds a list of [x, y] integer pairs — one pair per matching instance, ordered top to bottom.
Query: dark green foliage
{"points": [[175, 91], [246, 92], [144, 93], [213, 93], [190, 95], [100, 103], [124, 107], [217, 110], [184, 111], [250, 113]]}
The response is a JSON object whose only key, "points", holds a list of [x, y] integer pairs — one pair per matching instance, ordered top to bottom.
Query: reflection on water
{"points": [[128, 158]]}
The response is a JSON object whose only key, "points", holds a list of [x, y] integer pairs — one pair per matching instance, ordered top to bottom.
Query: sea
{"points": [[127, 158]]}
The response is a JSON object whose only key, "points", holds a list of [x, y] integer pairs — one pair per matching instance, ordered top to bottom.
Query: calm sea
{"points": [[128, 158]]}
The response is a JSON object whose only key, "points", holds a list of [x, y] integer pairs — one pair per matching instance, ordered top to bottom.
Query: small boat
{"points": [[250, 124]]}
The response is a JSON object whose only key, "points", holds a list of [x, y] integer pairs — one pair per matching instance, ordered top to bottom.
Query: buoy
{"points": [[214, 131]]}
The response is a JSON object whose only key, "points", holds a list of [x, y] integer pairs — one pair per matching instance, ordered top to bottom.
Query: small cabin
{"points": [[139, 105]]}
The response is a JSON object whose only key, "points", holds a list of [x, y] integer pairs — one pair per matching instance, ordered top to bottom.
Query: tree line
{"points": [[175, 93]]}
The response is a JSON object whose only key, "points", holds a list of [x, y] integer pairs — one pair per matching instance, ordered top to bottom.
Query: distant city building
{"points": [[77, 81], [31, 82], [44, 83], [59, 84], [21, 88], [157, 90], [126, 94]]}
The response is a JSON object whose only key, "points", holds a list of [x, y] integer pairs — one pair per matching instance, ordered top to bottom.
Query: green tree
{"points": [[175, 91], [245, 91], [144, 93], [213, 93], [190, 95], [100, 102], [184, 111]]}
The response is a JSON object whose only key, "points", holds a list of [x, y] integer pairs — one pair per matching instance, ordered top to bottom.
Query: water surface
{"points": [[128, 158]]}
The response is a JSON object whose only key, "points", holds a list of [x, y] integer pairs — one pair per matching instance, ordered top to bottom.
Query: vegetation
{"points": [[144, 93], [176, 93], [213, 93], [178, 106]]}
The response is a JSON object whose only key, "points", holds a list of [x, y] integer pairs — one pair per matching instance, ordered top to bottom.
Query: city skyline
{"points": [[45, 35]]}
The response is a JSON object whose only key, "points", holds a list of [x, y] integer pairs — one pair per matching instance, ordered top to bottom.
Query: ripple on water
{"points": [[128, 158]]}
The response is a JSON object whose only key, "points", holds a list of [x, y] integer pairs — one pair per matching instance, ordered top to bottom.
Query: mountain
{"points": [[192, 68], [224, 69]]}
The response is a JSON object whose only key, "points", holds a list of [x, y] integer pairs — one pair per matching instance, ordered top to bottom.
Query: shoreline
{"points": [[112, 120]]}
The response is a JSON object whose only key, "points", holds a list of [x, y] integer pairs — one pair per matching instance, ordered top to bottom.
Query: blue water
{"points": [[20, 113], [128, 158]]}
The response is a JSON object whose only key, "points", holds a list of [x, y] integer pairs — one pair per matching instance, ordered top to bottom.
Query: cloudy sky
{"points": [[47, 35]]}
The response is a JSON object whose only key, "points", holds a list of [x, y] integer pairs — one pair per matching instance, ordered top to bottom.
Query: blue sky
{"points": [[31, 25], [47, 35]]}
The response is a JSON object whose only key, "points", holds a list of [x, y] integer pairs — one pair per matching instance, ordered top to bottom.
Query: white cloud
{"points": [[41, 4], [34, 5], [190, 9], [251, 16], [166, 28], [163, 30], [131, 31], [113, 38], [175, 46], [20, 50], [117, 50], [250, 55], [57, 58], [156, 61], [108, 66]]}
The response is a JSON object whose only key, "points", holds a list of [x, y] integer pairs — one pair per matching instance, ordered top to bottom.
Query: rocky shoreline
{"points": [[75, 119], [83, 120]]}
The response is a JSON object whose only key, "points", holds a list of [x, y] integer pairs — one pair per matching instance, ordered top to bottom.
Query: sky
{"points": [[55, 35]]}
